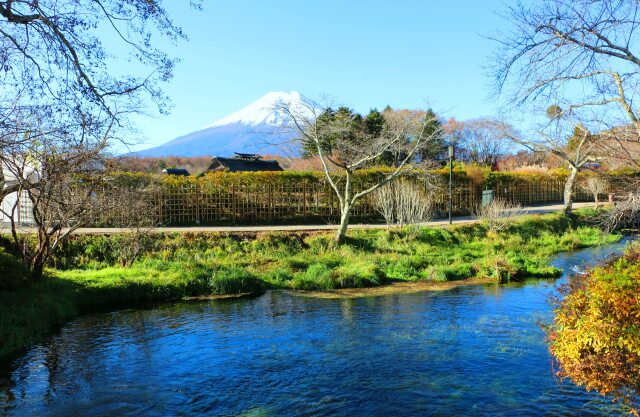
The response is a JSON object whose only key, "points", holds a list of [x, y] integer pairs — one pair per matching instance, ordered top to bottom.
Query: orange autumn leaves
{"points": [[595, 336]]}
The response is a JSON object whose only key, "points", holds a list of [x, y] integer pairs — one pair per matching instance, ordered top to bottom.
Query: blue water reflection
{"points": [[469, 351]]}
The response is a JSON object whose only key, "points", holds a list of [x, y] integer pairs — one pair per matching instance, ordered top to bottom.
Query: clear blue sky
{"points": [[363, 53]]}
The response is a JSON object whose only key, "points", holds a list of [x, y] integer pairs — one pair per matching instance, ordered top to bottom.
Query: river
{"points": [[469, 351]]}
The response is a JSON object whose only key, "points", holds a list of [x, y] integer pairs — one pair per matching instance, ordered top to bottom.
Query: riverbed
{"points": [[469, 351]]}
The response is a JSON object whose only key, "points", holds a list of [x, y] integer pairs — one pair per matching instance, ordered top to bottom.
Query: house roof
{"points": [[247, 156], [243, 165], [176, 171]]}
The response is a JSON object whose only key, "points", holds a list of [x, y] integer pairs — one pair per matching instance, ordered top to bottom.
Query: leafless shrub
{"points": [[595, 186], [384, 201], [403, 202], [134, 213], [498, 214], [625, 214]]}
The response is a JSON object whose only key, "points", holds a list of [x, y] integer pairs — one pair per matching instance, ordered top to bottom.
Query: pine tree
{"points": [[437, 148]]}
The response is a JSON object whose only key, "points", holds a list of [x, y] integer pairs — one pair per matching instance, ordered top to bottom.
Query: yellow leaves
{"points": [[595, 336]]}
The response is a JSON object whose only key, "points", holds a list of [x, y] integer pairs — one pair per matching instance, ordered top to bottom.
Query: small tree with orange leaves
{"points": [[595, 335]]}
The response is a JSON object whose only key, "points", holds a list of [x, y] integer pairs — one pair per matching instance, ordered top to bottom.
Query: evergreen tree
{"points": [[374, 125], [351, 127], [437, 146]]}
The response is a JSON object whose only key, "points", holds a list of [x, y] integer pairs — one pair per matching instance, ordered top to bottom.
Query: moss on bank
{"points": [[85, 273]]}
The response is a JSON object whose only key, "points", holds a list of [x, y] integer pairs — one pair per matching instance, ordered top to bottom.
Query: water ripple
{"points": [[470, 351]]}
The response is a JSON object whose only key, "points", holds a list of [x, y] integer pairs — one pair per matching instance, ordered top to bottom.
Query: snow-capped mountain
{"points": [[258, 128]]}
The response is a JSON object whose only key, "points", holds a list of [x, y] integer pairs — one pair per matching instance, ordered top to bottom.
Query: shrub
{"points": [[595, 185], [404, 201], [498, 214], [436, 236], [287, 243], [321, 243], [498, 267], [405, 268], [458, 271], [12, 272], [434, 273], [357, 275], [321, 276], [277, 277], [316, 277], [233, 280], [595, 335]]}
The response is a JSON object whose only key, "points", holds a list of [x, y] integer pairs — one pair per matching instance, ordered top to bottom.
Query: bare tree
{"points": [[559, 45], [55, 50], [580, 55], [56, 74], [15, 135], [564, 137], [338, 140], [480, 141], [595, 185], [62, 198]]}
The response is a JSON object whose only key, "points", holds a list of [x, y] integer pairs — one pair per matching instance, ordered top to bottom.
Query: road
{"points": [[540, 209]]}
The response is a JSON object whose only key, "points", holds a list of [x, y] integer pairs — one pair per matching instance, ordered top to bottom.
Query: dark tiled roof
{"points": [[247, 155], [239, 165], [176, 171]]}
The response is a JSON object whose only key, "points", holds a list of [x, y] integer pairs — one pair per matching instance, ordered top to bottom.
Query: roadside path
{"points": [[540, 209]]}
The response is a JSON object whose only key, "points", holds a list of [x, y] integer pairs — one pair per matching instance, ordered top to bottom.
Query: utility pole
{"points": [[450, 183]]}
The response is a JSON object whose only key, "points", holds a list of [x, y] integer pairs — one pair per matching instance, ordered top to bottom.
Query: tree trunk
{"points": [[569, 186], [345, 208], [344, 223], [37, 271]]}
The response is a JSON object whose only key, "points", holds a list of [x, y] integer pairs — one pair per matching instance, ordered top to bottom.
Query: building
{"points": [[243, 162], [181, 172], [17, 203]]}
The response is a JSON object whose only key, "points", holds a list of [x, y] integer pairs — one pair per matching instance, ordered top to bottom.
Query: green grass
{"points": [[86, 274]]}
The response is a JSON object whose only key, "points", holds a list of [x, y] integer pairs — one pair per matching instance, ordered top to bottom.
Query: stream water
{"points": [[468, 351]]}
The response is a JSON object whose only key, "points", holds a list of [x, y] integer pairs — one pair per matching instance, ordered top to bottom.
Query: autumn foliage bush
{"points": [[462, 174], [595, 335]]}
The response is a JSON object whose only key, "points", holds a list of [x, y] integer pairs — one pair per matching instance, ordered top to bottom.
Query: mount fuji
{"points": [[259, 128]]}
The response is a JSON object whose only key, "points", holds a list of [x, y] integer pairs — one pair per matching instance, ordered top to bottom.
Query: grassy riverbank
{"points": [[87, 274]]}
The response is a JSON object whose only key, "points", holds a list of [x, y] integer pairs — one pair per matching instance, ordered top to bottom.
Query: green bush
{"points": [[321, 243], [498, 267], [404, 268], [458, 271], [12, 272], [357, 275], [316, 277], [323, 277], [277, 278], [232, 280]]}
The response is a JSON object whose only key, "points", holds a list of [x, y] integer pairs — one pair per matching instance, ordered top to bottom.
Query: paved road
{"points": [[542, 209]]}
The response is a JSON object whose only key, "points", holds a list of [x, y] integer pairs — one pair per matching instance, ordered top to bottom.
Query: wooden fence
{"points": [[296, 198], [273, 200], [270, 203]]}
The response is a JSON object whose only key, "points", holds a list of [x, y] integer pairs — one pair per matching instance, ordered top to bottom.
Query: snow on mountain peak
{"points": [[264, 111]]}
